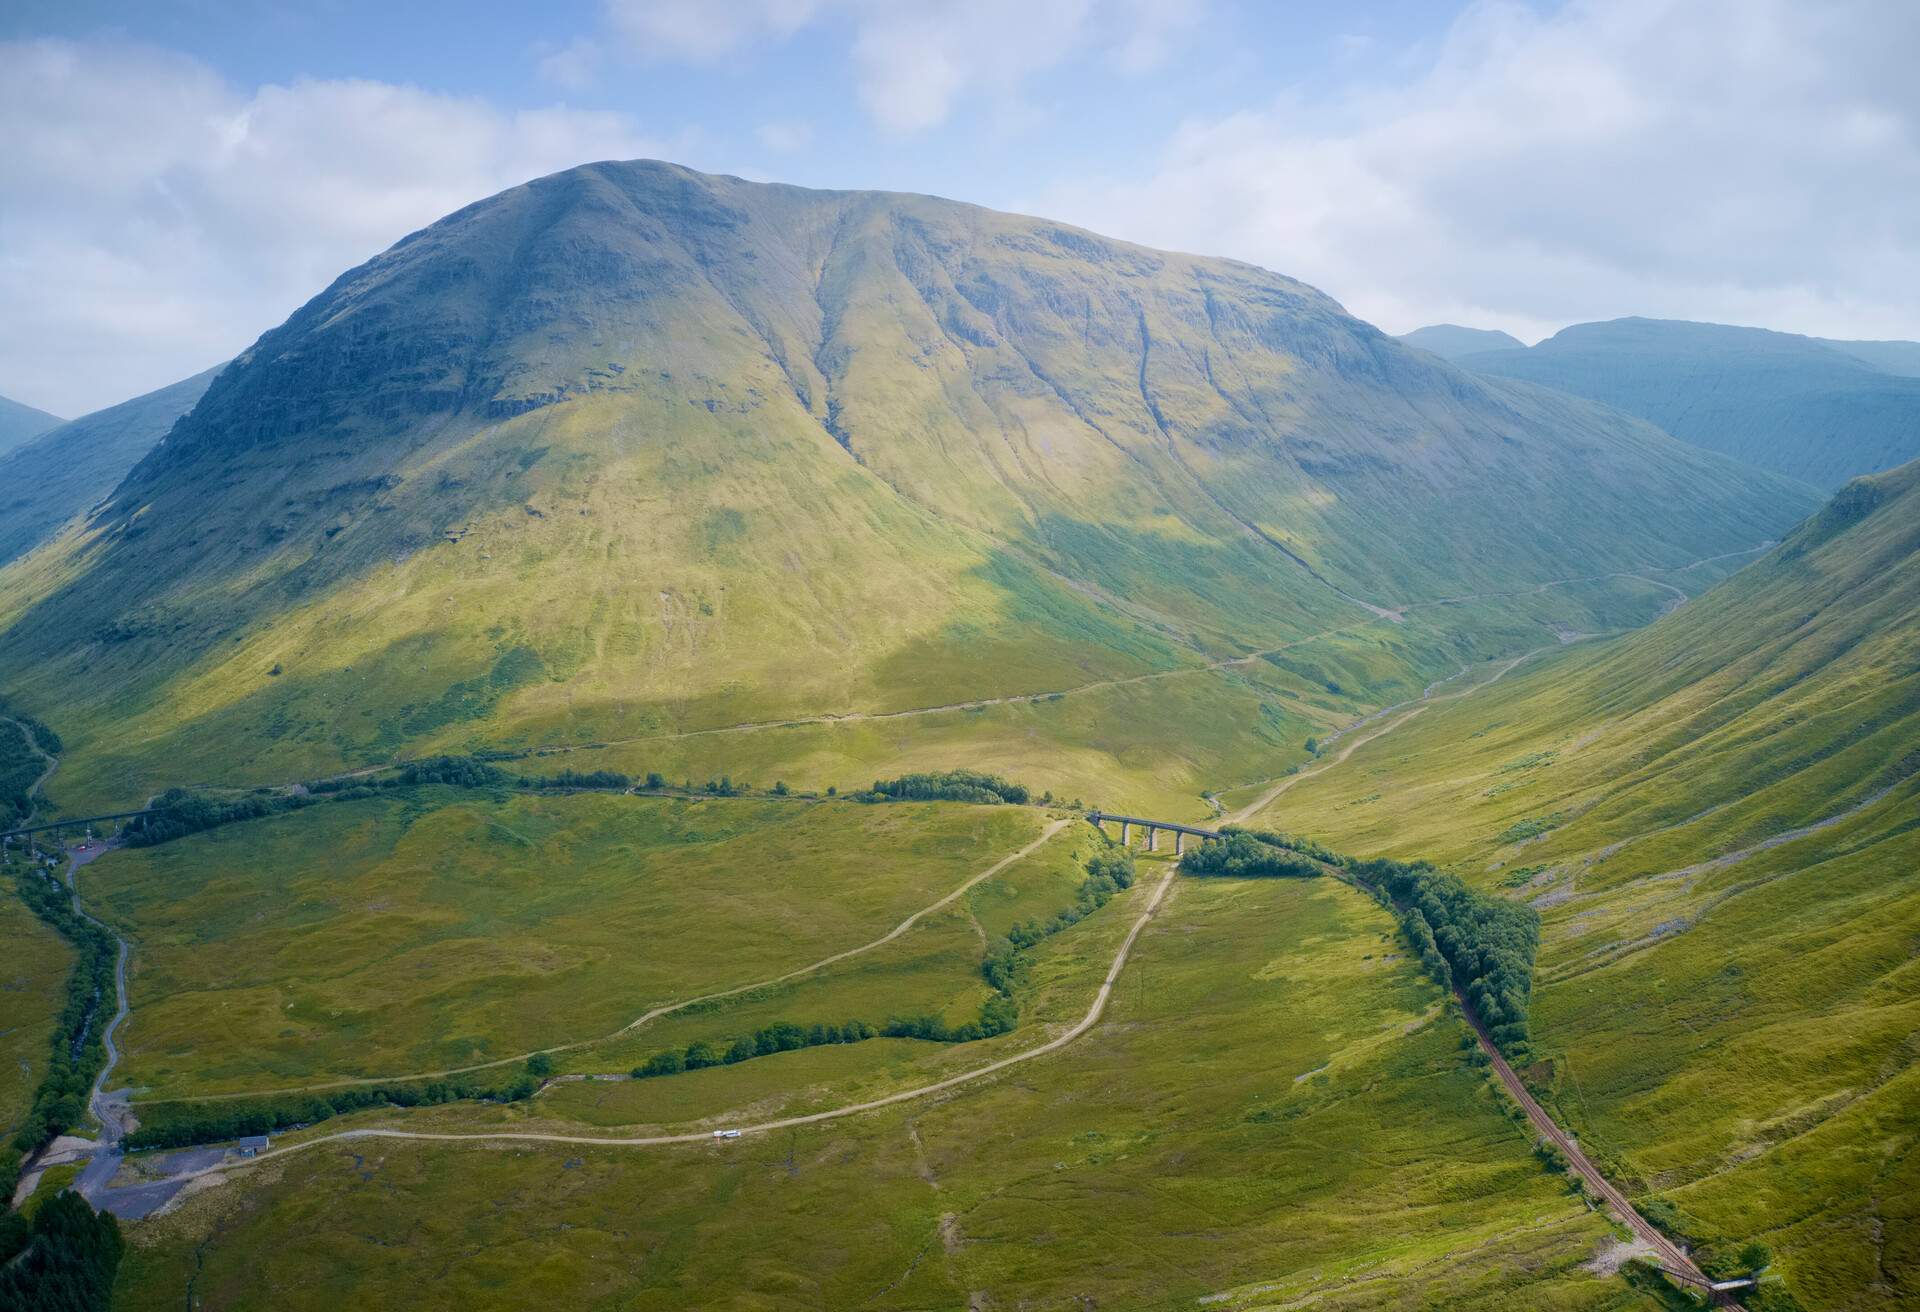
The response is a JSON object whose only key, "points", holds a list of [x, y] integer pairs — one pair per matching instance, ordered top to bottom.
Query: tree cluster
{"points": [[599, 780], [947, 786], [177, 813], [1292, 842], [1238, 854], [1484, 945], [998, 1015], [60, 1100], [64, 1262]]}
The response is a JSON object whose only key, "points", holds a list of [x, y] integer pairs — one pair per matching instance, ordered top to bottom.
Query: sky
{"points": [[178, 176]]}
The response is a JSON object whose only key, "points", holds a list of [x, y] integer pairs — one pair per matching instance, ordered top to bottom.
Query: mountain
{"points": [[1450, 341], [1894, 357], [1808, 409], [22, 423], [631, 452], [47, 481], [1719, 819]]}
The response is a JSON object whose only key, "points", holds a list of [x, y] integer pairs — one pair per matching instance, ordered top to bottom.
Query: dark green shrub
{"points": [[948, 786]]}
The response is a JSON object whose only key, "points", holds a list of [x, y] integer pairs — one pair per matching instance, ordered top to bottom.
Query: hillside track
{"points": [[1382, 616], [1412, 708], [666, 1009], [1092, 1018], [1674, 1256]]}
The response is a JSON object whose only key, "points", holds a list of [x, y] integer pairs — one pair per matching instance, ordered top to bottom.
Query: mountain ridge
{"points": [[1451, 341], [1817, 410], [20, 424], [1003, 455], [78, 464]]}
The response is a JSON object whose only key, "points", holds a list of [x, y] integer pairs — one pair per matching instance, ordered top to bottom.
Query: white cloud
{"points": [[704, 30], [914, 60], [574, 66], [785, 137], [1746, 160], [154, 219]]}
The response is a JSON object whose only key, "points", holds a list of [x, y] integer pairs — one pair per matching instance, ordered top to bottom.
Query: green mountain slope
{"points": [[1450, 341], [1808, 409], [22, 423], [631, 451], [68, 469], [1719, 819]]}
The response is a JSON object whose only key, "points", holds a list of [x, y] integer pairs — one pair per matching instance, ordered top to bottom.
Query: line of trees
{"points": [[48, 740], [20, 768], [593, 780], [947, 786], [177, 813], [1239, 854], [1483, 944], [781, 1036], [77, 1048], [180, 1125], [64, 1261]]}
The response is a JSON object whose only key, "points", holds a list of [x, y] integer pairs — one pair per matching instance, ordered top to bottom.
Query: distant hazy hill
{"points": [[1451, 341], [1890, 357], [1809, 409], [22, 423], [631, 449], [47, 481]]}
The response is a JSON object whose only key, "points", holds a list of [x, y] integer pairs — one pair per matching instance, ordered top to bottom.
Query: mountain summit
{"points": [[632, 449]]}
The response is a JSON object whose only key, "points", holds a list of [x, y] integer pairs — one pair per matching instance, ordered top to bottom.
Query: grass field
{"points": [[418, 933], [33, 983], [1275, 1108]]}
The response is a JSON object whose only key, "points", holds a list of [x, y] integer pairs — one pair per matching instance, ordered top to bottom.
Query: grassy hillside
{"points": [[1450, 341], [1812, 410], [22, 423], [632, 450], [70, 468], [1719, 820], [1255, 1124]]}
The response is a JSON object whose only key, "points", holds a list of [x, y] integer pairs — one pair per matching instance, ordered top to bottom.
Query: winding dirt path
{"points": [[666, 1009], [1085, 1023]]}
